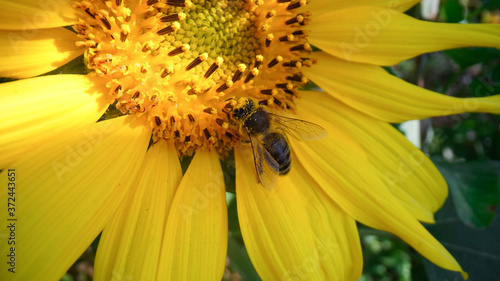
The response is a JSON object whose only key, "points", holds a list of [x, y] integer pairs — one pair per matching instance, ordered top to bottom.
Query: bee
{"points": [[267, 135]]}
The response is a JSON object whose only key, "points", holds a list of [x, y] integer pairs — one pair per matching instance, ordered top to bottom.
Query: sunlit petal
{"points": [[318, 7], [30, 15], [384, 36], [27, 56], [370, 89], [40, 110], [341, 166], [408, 173], [66, 193], [274, 225], [294, 231], [336, 233], [130, 245], [195, 245]]}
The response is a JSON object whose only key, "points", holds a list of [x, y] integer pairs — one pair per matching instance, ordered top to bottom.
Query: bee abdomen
{"points": [[277, 146], [285, 167]]}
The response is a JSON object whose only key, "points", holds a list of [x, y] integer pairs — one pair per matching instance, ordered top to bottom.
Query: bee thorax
{"points": [[258, 122]]}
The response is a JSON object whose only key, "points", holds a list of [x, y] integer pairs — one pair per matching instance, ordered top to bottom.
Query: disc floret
{"points": [[177, 63]]}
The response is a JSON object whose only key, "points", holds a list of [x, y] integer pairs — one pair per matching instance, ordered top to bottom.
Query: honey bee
{"points": [[267, 134]]}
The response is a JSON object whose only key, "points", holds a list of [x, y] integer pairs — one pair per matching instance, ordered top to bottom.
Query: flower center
{"points": [[178, 63]]}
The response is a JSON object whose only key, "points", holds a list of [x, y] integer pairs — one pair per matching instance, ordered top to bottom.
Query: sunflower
{"points": [[160, 77]]}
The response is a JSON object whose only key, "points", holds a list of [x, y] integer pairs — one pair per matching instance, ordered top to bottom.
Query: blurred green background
{"points": [[465, 148]]}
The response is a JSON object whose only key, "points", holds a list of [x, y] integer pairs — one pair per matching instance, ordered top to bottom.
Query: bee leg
{"points": [[229, 106]]}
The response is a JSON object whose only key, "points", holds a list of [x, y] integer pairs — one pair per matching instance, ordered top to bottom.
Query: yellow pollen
{"points": [[180, 64]]}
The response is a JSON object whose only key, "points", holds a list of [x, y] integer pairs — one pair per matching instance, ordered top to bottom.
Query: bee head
{"points": [[243, 109]]}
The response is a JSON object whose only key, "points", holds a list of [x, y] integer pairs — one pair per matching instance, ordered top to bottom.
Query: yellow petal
{"points": [[318, 7], [29, 15], [384, 36], [24, 56], [370, 89], [40, 110], [342, 167], [404, 169], [67, 191], [274, 224], [294, 232], [196, 233], [336, 233], [336, 239], [130, 245]]}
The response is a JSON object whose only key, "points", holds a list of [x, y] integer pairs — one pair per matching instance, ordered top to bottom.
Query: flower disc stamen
{"points": [[177, 63]]}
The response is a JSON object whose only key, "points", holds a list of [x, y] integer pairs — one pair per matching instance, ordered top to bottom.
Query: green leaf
{"points": [[491, 4], [452, 11], [466, 57], [76, 66], [5, 79], [485, 85], [310, 86], [228, 168], [474, 187], [233, 221], [476, 250], [385, 256], [239, 261], [67, 277]]}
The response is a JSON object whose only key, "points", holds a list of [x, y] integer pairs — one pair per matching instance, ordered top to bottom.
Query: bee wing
{"points": [[300, 129], [266, 167]]}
